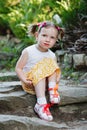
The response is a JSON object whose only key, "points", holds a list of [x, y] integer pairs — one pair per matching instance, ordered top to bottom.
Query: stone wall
{"points": [[72, 60]]}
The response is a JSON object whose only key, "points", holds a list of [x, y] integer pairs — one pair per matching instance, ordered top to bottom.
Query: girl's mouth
{"points": [[46, 44]]}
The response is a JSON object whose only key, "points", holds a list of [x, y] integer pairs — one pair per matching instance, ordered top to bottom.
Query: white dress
{"points": [[34, 56]]}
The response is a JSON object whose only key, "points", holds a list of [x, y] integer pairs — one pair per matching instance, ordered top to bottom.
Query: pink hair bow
{"points": [[42, 24], [58, 28]]}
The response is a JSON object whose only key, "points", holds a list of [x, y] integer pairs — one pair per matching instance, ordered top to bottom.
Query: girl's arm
{"points": [[19, 67]]}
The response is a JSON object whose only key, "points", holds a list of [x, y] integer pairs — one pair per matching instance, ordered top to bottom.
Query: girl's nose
{"points": [[47, 38]]}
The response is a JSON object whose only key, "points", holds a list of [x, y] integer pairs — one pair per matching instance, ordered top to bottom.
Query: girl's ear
{"points": [[36, 35]]}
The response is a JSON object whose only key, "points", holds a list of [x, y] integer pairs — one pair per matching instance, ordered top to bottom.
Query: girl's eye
{"points": [[44, 35], [52, 37]]}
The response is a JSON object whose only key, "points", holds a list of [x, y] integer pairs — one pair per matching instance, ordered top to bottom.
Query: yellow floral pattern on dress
{"points": [[42, 69]]}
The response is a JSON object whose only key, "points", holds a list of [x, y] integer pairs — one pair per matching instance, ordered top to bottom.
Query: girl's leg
{"points": [[52, 79], [40, 88], [53, 88], [40, 91], [41, 107]]}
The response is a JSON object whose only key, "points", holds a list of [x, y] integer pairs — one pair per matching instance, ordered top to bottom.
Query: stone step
{"points": [[8, 76], [8, 87], [12, 91], [13, 94], [69, 94], [73, 94], [13, 97], [14, 101], [19, 101], [11, 104], [12, 122]]}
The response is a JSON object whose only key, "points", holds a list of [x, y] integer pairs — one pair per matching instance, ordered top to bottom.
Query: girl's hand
{"points": [[28, 82]]}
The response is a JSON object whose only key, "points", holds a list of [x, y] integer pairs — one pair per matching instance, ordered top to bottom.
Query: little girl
{"points": [[37, 66]]}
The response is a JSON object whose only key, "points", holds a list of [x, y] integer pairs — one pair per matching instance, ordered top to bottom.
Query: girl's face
{"points": [[46, 38]]}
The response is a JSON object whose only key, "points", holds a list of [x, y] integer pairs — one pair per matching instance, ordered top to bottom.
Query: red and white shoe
{"points": [[54, 95], [43, 111]]}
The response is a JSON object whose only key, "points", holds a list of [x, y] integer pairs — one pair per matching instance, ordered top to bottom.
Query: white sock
{"points": [[51, 85], [41, 100]]}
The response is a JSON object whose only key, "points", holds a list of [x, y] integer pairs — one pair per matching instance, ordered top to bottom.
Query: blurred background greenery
{"points": [[16, 15]]}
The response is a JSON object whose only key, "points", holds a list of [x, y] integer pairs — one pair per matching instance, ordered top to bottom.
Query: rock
{"points": [[60, 55], [85, 59], [68, 60], [78, 60], [8, 76], [83, 79], [70, 95], [13, 97], [16, 108], [8, 122]]}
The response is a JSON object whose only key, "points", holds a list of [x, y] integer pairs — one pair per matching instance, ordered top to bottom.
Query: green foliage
{"points": [[4, 5], [83, 7], [70, 10], [18, 14], [9, 48], [13, 51], [67, 72]]}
